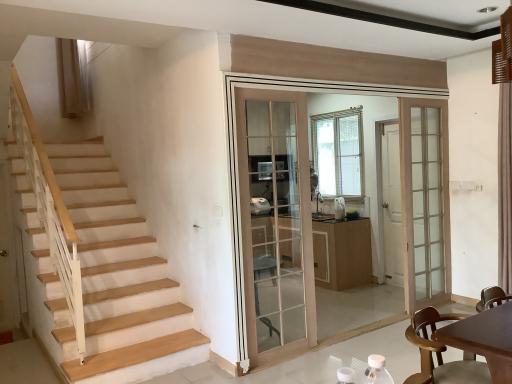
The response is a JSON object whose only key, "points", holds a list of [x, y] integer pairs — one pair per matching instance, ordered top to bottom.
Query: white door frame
{"points": [[233, 80], [379, 126]]}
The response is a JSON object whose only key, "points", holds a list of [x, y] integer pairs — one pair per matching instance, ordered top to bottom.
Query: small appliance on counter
{"points": [[259, 206], [339, 208]]}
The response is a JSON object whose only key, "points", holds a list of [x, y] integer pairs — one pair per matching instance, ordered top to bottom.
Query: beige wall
{"points": [[36, 62], [162, 114], [473, 122]]}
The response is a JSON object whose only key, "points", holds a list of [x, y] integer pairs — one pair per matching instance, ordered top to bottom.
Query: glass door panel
{"points": [[424, 127], [276, 209]]}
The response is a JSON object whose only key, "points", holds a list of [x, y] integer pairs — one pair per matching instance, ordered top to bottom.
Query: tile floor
{"points": [[353, 308], [315, 367]]}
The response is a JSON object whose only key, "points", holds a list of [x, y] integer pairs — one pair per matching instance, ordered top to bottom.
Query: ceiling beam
{"points": [[351, 13]]}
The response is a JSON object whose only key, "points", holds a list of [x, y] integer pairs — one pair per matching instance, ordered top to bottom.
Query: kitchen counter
{"points": [[342, 252]]}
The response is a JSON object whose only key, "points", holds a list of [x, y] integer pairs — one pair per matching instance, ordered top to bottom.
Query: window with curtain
{"points": [[338, 153]]}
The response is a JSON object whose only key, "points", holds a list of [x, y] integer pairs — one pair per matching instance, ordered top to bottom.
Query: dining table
{"points": [[487, 334]]}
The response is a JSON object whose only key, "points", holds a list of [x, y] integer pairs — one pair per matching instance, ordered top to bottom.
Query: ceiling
{"points": [[459, 14], [150, 22]]}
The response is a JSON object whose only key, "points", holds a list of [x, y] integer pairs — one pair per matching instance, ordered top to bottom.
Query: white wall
{"points": [[36, 62], [375, 108], [162, 114], [473, 124]]}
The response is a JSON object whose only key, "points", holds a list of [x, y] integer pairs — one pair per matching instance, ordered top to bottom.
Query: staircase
{"points": [[136, 327]]}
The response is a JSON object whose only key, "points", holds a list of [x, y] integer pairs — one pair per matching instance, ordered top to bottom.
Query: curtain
{"points": [[505, 188]]}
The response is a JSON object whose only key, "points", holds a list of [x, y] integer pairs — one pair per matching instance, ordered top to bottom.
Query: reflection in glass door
{"points": [[424, 124], [276, 240]]}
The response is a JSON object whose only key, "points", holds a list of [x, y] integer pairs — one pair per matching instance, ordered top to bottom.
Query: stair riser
{"points": [[65, 150], [70, 164], [76, 180], [82, 196], [84, 215], [91, 235], [107, 256], [111, 280], [121, 306], [129, 336], [153, 368]]}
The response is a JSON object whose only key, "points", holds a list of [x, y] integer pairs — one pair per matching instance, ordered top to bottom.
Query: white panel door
{"points": [[392, 204]]}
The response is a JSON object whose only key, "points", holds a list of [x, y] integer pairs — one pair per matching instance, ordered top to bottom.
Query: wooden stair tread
{"points": [[66, 157], [72, 171], [80, 188], [89, 205], [95, 224], [101, 245], [51, 277], [114, 293], [64, 335], [134, 354]]}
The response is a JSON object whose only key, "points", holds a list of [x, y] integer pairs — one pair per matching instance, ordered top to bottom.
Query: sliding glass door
{"points": [[425, 192], [276, 221]]}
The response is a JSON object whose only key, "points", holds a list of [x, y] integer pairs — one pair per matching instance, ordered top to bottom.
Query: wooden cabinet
{"points": [[342, 251], [342, 254]]}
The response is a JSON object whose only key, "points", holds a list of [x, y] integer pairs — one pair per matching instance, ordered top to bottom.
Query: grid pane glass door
{"points": [[427, 201], [277, 234]]}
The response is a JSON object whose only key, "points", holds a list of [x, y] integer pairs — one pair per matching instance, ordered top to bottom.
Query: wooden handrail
{"points": [[62, 211]]}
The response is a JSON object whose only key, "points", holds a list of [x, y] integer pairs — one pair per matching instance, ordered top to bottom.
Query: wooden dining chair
{"points": [[488, 294], [497, 302], [468, 371], [419, 378]]}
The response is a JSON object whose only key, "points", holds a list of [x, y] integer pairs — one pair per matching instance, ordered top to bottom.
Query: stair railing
{"points": [[51, 209]]}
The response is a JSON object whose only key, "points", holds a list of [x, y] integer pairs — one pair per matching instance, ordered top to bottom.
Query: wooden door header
{"points": [[253, 55]]}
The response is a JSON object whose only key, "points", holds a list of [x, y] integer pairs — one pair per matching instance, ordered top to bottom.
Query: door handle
{"points": [[385, 205], [4, 253]]}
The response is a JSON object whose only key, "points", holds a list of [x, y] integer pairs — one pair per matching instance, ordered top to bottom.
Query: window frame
{"points": [[353, 111]]}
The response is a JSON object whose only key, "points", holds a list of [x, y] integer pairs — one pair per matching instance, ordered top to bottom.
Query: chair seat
{"points": [[462, 372]]}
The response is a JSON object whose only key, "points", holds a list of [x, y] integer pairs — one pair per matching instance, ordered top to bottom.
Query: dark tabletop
{"points": [[489, 332]]}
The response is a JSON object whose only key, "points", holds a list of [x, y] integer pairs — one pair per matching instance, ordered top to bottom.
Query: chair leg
{"points": [[469, 356], [427, 363]]}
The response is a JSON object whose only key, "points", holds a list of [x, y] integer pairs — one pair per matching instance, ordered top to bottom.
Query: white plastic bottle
{"points": [[376, 372], [346, 375]]}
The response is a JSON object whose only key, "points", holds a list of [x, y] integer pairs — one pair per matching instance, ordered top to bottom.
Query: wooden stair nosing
{"points": [[58, 157], [72, 171], [80, 188], [89, 205], [94, 224], [83, 247], [52, 277], [114, 293], [111, 324], [133, 354]]}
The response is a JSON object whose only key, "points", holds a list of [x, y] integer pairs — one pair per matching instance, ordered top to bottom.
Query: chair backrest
{"points": [[488, 294], [497, 302], [424, 324]]}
